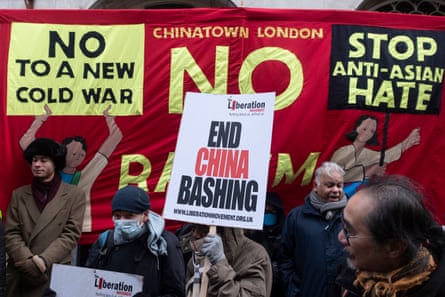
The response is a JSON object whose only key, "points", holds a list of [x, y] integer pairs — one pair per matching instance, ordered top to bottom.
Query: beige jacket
{"points": [[51, 234], [246, 271]]}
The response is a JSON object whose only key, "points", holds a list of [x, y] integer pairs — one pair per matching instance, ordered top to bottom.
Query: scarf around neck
{"points": [[43, 193], [327, 209], [155, 242], [402, 279]]}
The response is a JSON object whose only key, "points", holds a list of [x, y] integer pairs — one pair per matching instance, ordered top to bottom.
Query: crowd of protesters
{"points": [[381, 242]]}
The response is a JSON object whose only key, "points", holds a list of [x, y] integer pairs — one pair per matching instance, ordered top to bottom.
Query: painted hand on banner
{"points": [[45, 116], [108, 118], [30, 134], [114, 137], [412, 139]]}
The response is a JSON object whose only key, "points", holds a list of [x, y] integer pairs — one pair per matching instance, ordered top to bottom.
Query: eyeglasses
{"points": [[346, 232]]}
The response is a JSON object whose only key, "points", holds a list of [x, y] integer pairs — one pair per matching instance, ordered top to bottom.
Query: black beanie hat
{"points": [[49, 148], [132, 199]]}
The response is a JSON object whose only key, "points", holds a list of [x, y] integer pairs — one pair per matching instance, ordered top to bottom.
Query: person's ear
{"points": [[314, 186], [145, 216], [396, 248]]}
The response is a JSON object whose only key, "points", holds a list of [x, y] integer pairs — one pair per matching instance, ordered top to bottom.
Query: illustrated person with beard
{"points": [[43, 222], [139, 244], [394, 245], [309, 250]]}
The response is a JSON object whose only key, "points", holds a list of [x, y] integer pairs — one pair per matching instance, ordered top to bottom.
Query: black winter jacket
{"points": [[163, 275]]}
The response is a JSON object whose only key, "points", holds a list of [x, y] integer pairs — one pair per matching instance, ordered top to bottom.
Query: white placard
{"points": [[221, 163], [75, 281]]}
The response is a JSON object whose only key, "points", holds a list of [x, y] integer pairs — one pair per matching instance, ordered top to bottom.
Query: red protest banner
{"points": [[118, 79]]}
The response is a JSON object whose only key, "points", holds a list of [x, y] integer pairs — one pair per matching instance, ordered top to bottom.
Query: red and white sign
{"points": [[220, 170], [74, 281]]}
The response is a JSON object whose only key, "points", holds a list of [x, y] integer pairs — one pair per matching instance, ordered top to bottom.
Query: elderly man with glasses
{"points": [[395, 247], [309, 250]]}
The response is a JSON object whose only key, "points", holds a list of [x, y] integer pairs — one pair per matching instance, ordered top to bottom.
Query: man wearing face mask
{"points": [[139, 245]]}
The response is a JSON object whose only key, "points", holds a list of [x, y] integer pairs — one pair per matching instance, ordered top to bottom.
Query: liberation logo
{"points": [[253, 106], [120, 288]]}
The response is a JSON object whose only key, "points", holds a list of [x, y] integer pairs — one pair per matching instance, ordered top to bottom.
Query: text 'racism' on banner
{"points": [[221, 163]]}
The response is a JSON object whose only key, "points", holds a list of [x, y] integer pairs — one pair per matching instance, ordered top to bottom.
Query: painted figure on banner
{"points": [[76, 153], [361, 163]]}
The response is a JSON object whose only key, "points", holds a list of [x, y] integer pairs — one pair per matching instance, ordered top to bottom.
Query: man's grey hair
{"points": [[327, 168]]}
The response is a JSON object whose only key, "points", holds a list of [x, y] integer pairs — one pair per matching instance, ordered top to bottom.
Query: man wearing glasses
{"points": [[394, 245], [310, 251]]}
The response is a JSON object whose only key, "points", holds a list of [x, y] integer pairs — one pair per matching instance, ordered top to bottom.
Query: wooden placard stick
{"points": [[204, 278]]}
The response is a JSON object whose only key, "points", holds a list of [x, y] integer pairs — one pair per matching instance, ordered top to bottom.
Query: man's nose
{"points": [[338, 188], [342, 238]]}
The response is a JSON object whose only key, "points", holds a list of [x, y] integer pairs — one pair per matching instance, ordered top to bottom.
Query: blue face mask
{"points": [[270, 219], [127, 230]]}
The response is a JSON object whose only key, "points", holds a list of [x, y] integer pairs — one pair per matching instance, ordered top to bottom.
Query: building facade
{"points": [[87, 4]]}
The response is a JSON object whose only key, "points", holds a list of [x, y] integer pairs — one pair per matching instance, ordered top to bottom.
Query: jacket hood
{"points": [[233, 239]]}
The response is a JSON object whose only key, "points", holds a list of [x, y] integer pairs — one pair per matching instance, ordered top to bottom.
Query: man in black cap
{"points": [[43, 223], [139, 244]]}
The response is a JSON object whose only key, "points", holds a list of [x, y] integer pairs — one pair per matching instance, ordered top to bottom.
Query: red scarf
{"points": [[44, 192]]}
